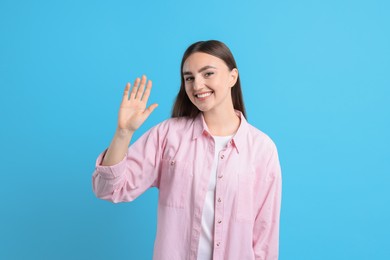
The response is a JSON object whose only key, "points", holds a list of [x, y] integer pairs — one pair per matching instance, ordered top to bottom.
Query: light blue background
{"points": [[315, 77]]}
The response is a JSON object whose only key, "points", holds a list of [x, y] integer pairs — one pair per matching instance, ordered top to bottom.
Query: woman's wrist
{"points": [[124, 133]]}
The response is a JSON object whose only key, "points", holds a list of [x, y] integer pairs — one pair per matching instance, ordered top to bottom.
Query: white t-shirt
{"points": [[205, 250]]}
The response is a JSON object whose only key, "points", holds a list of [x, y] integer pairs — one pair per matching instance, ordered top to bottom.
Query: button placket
{"points": [[219, 192], [218, 215]]}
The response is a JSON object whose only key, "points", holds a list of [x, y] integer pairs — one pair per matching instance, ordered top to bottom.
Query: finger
{"points": [[135, 88], [141, 88], [147, 91], [126, 92], [150, 109]]}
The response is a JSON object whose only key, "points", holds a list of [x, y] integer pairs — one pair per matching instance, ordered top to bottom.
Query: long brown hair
{"points": [[183, 106]]}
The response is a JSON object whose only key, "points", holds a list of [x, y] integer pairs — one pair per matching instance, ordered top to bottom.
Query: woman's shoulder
{"points": [[258, 136]]}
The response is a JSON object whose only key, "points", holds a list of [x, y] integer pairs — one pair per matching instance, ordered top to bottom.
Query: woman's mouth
{"points": [[204, 94]]}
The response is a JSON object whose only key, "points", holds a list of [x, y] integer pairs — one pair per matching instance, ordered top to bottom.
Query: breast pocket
{"points": [[174, 183], [245, 197]]}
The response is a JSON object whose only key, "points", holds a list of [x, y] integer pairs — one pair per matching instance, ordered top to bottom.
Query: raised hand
{"points": [[133, 111]]}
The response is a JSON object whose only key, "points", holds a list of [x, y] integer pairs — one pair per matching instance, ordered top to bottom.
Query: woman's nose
{"points": [[197, 84]]}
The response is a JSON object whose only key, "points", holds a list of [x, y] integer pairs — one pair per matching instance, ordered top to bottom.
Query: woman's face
{"points": [[208, 82]]}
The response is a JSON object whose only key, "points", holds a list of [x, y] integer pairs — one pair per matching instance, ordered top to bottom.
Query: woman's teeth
{"points": [[204, 95]]}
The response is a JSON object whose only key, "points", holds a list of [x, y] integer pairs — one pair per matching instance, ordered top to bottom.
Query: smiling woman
{"points": [[210, 53], [209, 86], [219, 178]]}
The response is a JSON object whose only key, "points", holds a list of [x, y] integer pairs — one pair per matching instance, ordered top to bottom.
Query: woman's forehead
{"points": [[199, 60]]}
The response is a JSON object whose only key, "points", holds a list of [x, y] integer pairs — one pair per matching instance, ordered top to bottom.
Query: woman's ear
{"points": [[233, 77]]}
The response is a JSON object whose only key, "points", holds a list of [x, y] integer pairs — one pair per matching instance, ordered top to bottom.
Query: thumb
{"points": [[150, 109]]}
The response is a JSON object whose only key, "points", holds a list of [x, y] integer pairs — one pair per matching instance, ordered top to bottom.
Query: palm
{"points": [[133, 111]]}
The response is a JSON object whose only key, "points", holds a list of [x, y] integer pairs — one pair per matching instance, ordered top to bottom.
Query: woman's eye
{"points": [[208, 74], [189, 79]]}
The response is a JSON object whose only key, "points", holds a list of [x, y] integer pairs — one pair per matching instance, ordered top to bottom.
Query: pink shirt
{"points": [[176, 157]]}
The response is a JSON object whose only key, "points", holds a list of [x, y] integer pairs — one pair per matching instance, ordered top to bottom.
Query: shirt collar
{"points": [[200, 128]]}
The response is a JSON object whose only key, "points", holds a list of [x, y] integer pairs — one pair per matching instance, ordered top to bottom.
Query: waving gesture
{"points": [[133, 111]]}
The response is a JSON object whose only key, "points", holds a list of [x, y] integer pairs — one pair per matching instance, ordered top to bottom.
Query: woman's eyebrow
{"points": [[200, 70]]}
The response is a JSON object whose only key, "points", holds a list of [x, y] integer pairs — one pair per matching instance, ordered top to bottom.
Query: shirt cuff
{"points": [[110, 172]]}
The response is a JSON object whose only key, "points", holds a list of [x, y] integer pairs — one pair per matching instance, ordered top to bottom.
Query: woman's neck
{"points": [[222, 123]]}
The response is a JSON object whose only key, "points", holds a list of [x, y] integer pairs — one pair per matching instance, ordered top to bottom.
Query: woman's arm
{"points": [[132, 114], [118, 147], [137, 171], [123, 173], [266, 226]]}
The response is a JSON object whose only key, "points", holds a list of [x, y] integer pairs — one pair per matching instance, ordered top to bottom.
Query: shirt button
{"points": [[222, 156], [172, 162], [220, 176], [219, 200], [219, 221], [219, 243]]}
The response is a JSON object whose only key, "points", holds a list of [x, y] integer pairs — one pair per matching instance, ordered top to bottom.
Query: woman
{"points": [[218, 177]]}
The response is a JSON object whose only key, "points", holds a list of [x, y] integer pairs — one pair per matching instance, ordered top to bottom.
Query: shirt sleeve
{"points": [[138, 171], [266, 226]]}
